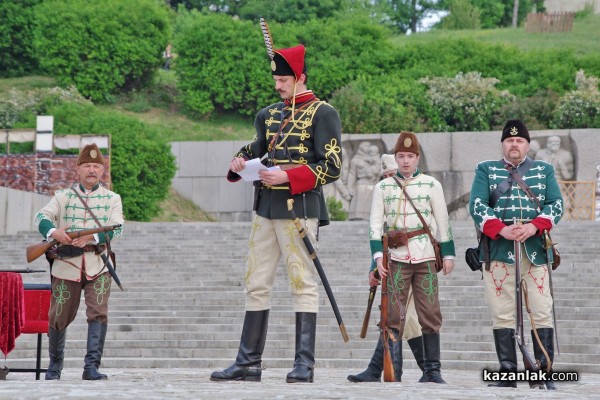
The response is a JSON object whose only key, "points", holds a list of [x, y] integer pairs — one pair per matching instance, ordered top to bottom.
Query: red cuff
{"points": [[302, 179], [543, 224], [492, 228]]}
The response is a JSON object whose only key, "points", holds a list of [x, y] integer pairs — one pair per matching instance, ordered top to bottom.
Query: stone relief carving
{"points": [[556, 155], [360, 173]]}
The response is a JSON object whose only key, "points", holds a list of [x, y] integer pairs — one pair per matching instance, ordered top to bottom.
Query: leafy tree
{"points": [[497, 13], [406, 15], [462, 15]]}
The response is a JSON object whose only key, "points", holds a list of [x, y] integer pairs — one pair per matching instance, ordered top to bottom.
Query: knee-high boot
{"points": [[306, 330], [547, 338], [416, 346], [95, 347], [396, 350], [506, 350], [56, 353], [247, 365], [432, 365], [375, 367], [373, 371]]}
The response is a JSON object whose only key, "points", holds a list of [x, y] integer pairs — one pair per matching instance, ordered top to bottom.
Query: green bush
{"points": [[102, 47], [17, 55], [222, 62], [467, 102], [383, 104], [579, 108], [142, 167], [336, 210]]}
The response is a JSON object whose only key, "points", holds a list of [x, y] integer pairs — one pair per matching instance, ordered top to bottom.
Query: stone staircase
{"points": [[183, 304]]}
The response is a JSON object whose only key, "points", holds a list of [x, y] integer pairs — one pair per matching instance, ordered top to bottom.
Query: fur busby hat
{"points": [[284, 62], [515, 128], [407, 142], [90, 154], [388, 164]]}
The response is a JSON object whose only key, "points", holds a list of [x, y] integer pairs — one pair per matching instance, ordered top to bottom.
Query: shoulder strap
{"points": [[516, 176], [505, 184], [425, 226], [106, 237]]}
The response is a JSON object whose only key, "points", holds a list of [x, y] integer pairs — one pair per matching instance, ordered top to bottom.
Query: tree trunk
{"points": [[515, 14], [413, 17]]}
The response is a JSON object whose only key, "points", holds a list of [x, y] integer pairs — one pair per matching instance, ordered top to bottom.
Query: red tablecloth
{"points": [[12, 310]]}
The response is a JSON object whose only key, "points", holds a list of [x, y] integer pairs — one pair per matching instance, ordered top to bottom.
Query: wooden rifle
{"points": [[34, 251], [365, 325], [528, 361], [388, 366]]}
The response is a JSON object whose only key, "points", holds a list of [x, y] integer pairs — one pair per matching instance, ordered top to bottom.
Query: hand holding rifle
{"points": [[34, 251]]}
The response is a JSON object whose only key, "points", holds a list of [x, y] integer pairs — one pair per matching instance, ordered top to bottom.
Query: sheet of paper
{"points": [[250, 171]]}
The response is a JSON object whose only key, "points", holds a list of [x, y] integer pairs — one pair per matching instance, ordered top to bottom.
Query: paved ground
{"points": [[150, 384]]}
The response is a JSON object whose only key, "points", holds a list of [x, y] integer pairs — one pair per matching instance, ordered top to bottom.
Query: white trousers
{"points": [[270, 240]]}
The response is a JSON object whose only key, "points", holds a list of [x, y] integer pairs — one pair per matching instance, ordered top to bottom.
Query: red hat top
{"points": [[289, 61]]}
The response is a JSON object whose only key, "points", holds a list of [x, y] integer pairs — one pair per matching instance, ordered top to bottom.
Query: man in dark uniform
{"points": [[301, 136]]}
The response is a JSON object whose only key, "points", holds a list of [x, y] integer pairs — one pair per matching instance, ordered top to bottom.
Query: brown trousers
{"points": [[422, 278], [66, 296]]}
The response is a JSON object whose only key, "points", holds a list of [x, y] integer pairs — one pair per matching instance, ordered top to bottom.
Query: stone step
{"points": [[179, 310]]}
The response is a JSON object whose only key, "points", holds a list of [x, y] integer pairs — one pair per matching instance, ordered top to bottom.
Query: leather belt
{"points": [[418, 232], [96, 248]]}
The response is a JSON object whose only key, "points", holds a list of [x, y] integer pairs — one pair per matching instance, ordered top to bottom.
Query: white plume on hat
{"points": [[388, 163]]}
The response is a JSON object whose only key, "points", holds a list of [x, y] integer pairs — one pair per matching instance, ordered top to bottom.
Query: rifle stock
{"points": [[34, 251], [365, 325], [528, 361], [388, 366]]}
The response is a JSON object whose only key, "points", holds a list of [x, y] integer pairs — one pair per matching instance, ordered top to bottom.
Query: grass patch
{"points": [[582, 40], [26, 83], [175, 208]]}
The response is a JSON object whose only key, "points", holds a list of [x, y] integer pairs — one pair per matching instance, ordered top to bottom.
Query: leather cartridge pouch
{"points": [[397, 238], [67, 251], [472, 259]]}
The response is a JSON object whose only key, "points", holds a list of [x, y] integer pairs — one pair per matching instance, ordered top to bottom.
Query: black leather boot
{"points": [[306, 330], [547, 337], [416, 346], [95, 347], [396, 350], [506, 350], [56, 353], [247, 366], [432, 366], [373, 371]]}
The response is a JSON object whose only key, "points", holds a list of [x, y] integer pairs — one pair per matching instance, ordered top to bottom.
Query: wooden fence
{"points": [[549, 22], [579, 200]]}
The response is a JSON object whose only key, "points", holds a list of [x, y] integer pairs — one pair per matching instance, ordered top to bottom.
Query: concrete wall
{"points": [[571, 5], [450, 157], [17, 210]]}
